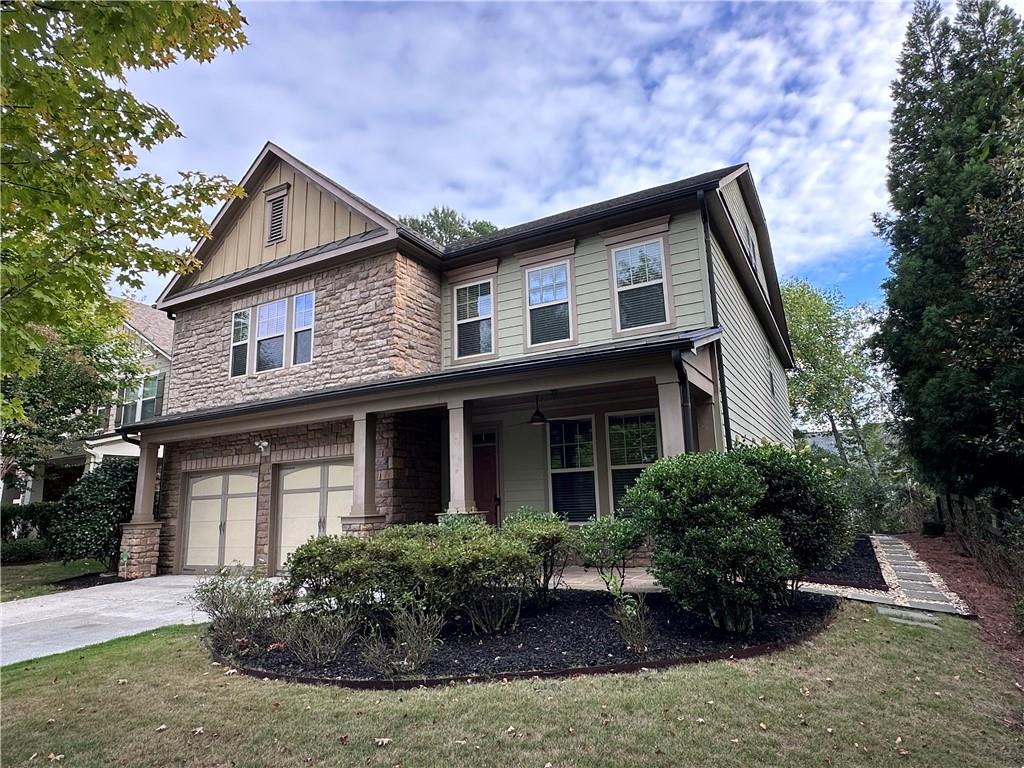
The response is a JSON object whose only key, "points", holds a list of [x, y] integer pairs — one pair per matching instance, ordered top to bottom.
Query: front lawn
{"points": [[32, 579], [866, 692]]}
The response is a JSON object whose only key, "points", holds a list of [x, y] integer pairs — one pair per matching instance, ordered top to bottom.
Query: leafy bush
{"points": [[813, 515], [21, 519], [87, 521], [467, 524], [550, 538], [606, 543], [23, 550], [710, 552], [630, 611], [245, 615], [314, 638], [407, 643]]}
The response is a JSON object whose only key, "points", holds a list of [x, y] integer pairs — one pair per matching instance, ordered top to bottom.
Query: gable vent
{"points": [[277, 214]]}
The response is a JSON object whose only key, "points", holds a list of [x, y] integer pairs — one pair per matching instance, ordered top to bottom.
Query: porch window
{"points": [[640, 284], [548, 298], [474, 311], [270, 322], [302, 329], [240, 342], [632, 447], [571, 461]]}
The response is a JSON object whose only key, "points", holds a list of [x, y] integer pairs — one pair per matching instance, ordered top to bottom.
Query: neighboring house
{"points": [[153, 333], [335, 372]]}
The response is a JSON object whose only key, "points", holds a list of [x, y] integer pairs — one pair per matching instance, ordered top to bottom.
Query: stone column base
{"points": [[363, 526], [140, 550]]}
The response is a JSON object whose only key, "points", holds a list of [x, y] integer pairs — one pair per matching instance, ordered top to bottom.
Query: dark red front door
{"points": [[485, 480]]}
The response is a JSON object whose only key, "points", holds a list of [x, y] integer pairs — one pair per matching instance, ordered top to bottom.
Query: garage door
{"points": [[312, 500], [221, 528]]}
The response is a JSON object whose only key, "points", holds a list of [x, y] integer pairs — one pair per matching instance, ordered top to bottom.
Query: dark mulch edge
{"points": [[859, 569], [87, 580], [748, 652]]}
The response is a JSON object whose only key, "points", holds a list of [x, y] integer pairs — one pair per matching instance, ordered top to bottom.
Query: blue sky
{"points": [[510, 112]]}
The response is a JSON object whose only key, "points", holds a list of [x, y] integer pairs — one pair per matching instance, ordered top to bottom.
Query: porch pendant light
{"points": [[538, 419]]}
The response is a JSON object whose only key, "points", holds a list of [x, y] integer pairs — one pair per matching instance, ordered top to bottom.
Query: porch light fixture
{"points": [[538, 419]]}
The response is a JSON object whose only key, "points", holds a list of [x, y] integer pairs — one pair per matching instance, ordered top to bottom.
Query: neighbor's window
{"points": [[640, 284], [548, 299], [270, 322], [302, 329], [474, 332], [240, 342], [139, 401], [632, 447], [571, 462]]}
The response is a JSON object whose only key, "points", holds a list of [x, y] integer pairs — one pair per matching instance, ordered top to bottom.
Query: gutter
{"points": [[706, 224], [684, 391]]}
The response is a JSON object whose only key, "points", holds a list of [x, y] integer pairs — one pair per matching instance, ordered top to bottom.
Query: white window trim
{"points": [[664, 284], [569, 300], [456, 322], [295, 329], [283, 334], [232, 343], [138, 400], [608, 447], [563, 471]]}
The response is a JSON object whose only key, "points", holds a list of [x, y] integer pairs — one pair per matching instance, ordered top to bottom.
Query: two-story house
{"points": [[335, 372]]}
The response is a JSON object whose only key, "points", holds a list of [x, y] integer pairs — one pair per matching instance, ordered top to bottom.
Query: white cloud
{"points": [[510, 112]]}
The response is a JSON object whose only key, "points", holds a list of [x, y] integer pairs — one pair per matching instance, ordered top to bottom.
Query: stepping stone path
{"points": [[911, 585]]}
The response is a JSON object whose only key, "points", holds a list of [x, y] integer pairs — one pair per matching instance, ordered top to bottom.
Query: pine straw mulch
{"points": [[992, 603]]}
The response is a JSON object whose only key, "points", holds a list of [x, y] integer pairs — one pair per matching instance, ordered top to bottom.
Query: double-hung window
{"points": [[640, 284], [550, 311], [474, 314], [240, 321], [270, 326], [302, 329], [139, 402], [632, 447], [571, 463]]}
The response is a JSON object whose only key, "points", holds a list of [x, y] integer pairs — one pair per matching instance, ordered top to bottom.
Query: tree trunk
{"points": [[837, 436]]}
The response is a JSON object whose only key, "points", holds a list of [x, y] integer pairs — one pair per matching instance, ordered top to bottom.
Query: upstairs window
{"points": [[276, 214], [640, 285], [549, 304], [474, 313], [270, 324], [302, 329], [240, 342], [139, 403]]}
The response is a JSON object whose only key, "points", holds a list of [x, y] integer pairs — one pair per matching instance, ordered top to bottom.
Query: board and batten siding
{"points": [[741, 215], [313, 218], [592, 297], [747, 358]]}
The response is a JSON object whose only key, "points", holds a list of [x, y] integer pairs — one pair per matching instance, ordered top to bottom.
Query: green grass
{"points": [[32, 579], [868, 680]]}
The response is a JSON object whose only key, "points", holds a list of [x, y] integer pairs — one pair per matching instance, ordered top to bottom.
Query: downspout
{"points": [[705, 221], [684, 391]]}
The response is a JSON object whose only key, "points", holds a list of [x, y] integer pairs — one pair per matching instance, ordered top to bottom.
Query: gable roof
{"points": [[152, 324]]}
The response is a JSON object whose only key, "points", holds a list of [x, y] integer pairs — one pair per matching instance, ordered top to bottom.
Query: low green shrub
{"points": [[814, 518], [22, 519], [87, 521], [466, 524], [550, 538], [606, 543], [23, 550], [709, 550], [630, 612], [245, 614], [314, 638], [406, 643]]}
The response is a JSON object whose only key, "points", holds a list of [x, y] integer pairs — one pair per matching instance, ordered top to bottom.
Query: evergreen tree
{"points": [[956, 78], [445, 225]]}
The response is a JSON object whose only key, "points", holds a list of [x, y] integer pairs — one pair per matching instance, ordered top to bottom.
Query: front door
{"points": [[485, 474]]}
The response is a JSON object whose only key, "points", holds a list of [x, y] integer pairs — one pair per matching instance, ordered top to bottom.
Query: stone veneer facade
{"points": [[376, 318], [408, 479]]}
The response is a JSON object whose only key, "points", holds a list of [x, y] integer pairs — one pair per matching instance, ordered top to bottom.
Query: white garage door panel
{"points": [[312, 499], [339, 505], [300, 520], [221, 523], [240, 531], [203, 532]]}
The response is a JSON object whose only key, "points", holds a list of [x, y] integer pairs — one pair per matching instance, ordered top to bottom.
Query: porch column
{"points": [[670, 411], [460, 458], [364, 465], [145, 486]]}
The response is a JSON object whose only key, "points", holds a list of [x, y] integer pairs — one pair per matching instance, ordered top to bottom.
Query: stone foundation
{"points": [[140, 550]]}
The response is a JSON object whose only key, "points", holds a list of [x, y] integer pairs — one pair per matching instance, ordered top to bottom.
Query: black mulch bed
{"points": [[858, 569], [87, 580], [576, 631]]}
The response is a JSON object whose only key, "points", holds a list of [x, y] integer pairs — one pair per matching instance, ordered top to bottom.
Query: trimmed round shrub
{"points": [[814, 518], [87, 521], [550, 538], [23, 550], [709, 550]]}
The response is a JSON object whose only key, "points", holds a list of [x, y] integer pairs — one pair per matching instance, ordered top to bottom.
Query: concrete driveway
{"points": [[40, 626]]}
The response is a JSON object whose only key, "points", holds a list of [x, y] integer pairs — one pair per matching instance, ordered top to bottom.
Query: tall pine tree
{"points": [[956, 80]]}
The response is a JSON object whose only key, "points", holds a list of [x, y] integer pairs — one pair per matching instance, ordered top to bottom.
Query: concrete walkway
{"points": [[40, 626]]}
